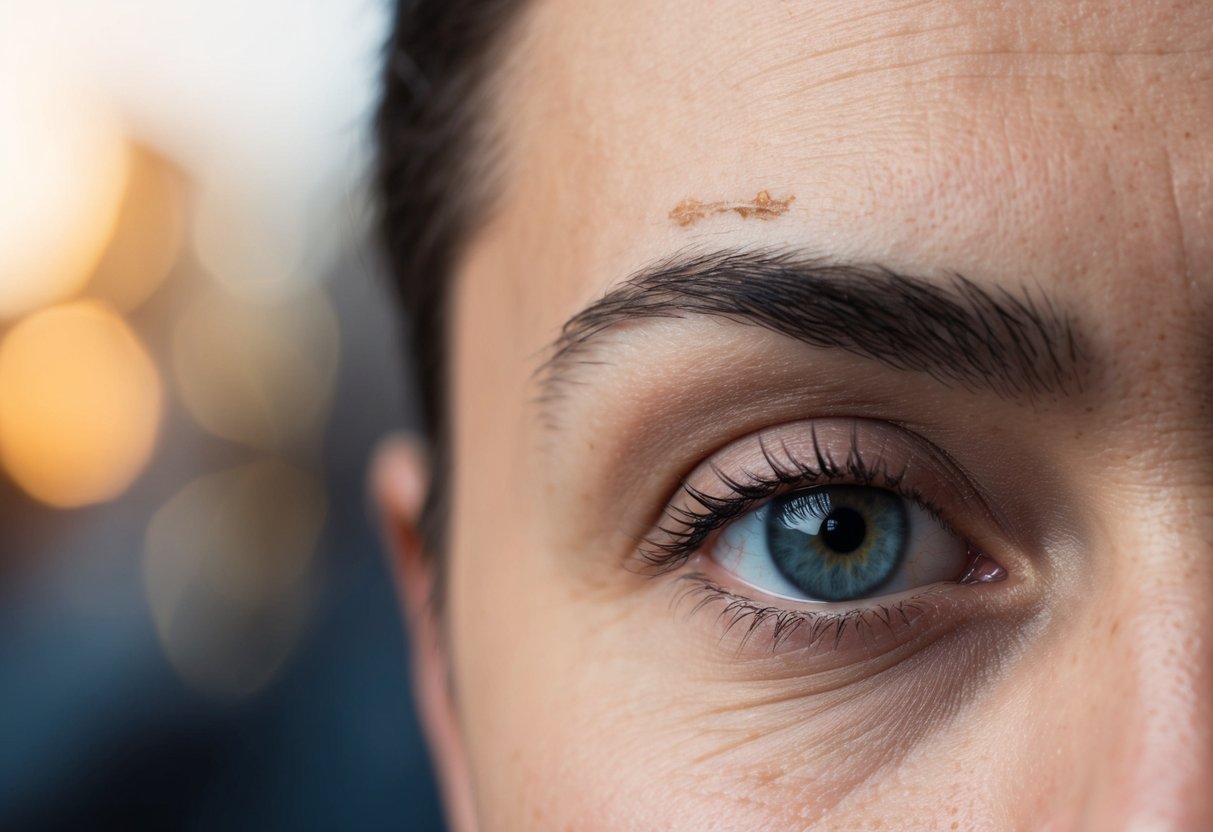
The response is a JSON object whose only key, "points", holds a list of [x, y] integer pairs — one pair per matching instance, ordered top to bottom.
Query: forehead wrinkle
{"points": [[834, 44], [799, 58], [967, 85], [615, 123]]}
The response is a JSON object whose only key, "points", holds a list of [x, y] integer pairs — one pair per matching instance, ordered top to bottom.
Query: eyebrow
{"points": [[1015, 345]]}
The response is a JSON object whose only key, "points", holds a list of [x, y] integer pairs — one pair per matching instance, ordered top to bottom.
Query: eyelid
{"points": [[756, 468], [840, 630]]}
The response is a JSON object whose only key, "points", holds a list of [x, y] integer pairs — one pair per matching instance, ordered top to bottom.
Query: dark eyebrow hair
{"points": [[957, 332]]}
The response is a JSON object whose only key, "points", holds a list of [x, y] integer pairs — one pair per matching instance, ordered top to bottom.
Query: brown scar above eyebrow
{"points": [[762, 206]]}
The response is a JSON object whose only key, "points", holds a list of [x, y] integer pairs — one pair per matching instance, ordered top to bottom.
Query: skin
{"points": [[1058, 148]]}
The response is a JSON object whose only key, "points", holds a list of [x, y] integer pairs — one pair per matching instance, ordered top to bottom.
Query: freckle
{"points": [[1115, 627], [955, 824]]}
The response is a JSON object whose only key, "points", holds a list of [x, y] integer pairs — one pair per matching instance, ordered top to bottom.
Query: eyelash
{"points": [[695, 527], [672, 547], [824, 628]]}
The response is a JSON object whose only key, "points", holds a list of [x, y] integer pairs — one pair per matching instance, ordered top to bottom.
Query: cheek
{"points": [[587, 713], [570, 722], [542, 730]]}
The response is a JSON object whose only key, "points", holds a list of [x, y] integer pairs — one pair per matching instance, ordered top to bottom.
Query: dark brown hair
{"points": [[434, 165]]}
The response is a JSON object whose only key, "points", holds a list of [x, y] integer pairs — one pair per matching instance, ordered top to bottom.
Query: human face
{"points": [[1058, 156]]}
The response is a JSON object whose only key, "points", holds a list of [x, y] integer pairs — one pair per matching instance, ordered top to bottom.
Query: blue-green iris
{"points": [[838, 542]]}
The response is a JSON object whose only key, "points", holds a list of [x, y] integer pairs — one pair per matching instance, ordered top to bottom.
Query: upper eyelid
{"points": [[963, 334], [760, 492], [669, 551]]}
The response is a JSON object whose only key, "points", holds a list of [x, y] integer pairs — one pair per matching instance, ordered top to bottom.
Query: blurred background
{"points": [[197, 353]]}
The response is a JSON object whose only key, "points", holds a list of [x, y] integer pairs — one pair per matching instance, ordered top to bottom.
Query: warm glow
{"points": [[63, 169], [148, 235], [262, 375], [79, 405], [226, 569]]}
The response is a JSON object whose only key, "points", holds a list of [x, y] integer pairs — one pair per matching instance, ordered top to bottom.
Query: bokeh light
{"points": [[63, 165], [188, 180], [147, 238], [261, 374], [80, 404], [226, 571]]}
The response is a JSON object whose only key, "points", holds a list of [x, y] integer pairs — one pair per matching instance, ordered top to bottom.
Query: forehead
{"points": [[1040, 142]]}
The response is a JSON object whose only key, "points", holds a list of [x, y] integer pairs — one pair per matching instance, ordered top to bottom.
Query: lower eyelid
{"points": [[825, 636]]}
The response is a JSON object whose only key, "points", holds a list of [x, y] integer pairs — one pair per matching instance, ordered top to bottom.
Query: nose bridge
{"points": [[1156, 661], [1164, 754]]}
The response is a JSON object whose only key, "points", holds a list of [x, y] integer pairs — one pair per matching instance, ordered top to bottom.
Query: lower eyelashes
{"points": [[838, 630], [847, 631]]}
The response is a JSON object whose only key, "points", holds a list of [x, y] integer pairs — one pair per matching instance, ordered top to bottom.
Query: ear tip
{"points": [[399, 473]]}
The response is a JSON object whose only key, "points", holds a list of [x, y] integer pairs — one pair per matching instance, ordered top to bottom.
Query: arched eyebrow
{"points": [[1016, 345]]}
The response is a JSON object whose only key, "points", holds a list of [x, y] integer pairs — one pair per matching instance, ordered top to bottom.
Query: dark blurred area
{"points": [[198, 627]]}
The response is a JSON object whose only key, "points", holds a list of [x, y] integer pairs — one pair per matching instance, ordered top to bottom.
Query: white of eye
{"points": [[932, 553]]}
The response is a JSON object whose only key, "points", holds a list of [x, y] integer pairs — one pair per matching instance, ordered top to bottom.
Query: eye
{"points": [[839, 543]]}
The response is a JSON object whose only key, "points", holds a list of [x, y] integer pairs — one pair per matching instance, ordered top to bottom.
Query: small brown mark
{"points": [[763, 207]]}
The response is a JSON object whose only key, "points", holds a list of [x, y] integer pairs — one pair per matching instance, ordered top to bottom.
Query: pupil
{"points": [[844, 530]]}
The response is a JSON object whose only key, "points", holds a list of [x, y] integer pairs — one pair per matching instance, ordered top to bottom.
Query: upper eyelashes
{"points": [[702, 510]]}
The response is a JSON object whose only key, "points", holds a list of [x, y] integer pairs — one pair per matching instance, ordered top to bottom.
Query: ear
{"points": [[399, 483]]}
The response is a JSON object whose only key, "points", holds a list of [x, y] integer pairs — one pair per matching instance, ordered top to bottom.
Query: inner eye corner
{"points": [[982, 569]]}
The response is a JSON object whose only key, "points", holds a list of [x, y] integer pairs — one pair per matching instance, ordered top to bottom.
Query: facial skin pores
{"points": [[831, 423]]}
